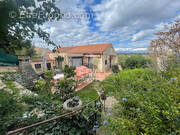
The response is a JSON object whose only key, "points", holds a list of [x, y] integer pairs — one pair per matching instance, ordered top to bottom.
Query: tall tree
{"points": [[22, 19], [167, 41], [166, 48]]}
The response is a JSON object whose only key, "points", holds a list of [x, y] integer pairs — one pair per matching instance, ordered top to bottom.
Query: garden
{"points": [[147, 90], [145, 93], [148, 102], [39, 104]]}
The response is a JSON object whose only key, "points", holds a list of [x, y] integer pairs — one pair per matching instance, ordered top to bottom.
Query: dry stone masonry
{"points": [[28, 74]]}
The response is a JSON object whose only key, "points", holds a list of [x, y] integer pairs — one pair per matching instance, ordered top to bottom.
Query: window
{"points": [[77, 61], [105, 62], [37, 66]]}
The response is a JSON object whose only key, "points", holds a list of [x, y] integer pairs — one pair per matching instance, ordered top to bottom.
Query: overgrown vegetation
{"points": [[133, 62], [115, 69], [69, 71], [45, 84], [65, 89], [148, 102], [11, 111], [19, 111]]}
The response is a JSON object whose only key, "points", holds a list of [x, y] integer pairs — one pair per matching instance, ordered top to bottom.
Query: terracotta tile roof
{"points": [[93, 48], [65, 49]]}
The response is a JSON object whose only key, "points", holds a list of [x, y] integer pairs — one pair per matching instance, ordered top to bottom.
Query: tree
{"points": [[21, 20], [168, 40], [167, 46], [26, 51], [60, 60], [122, 60], [136, 62], [69, 71], [66, 88]]}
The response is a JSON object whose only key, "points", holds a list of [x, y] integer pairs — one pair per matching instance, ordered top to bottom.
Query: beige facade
{"points": [[100, 58], [109, 58], [37, 61], [99, 61], [38, 65]]}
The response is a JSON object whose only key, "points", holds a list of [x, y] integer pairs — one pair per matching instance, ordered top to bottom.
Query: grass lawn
{"points": [[88, 93]]}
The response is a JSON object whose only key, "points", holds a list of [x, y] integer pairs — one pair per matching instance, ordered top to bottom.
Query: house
{"points": [[99, 57], [43, 59]]}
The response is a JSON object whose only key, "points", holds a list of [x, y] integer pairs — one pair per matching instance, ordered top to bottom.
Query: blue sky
{"points": [[128, 24]]}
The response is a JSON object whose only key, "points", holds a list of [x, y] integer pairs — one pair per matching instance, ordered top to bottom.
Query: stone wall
{"points": [[28, 74]]}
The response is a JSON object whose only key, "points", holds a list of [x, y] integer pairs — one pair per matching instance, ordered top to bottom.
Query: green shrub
{"points": [[122, 60], [134, 62], [115, 69], [69, 71], [45, 84], [40, 85], [66, 89], [148, 103], [10, 111]]}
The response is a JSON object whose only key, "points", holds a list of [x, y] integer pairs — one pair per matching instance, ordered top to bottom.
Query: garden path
{"points": [[110, 101]]}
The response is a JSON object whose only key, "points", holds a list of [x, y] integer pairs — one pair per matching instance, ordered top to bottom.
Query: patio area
{"points": [[98, 76], [102, 76], [84, 77]]}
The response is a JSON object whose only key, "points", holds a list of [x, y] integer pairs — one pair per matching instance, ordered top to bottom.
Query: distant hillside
{"points": [[129, 52]]}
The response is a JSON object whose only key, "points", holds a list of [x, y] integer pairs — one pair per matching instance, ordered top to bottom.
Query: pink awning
{"points": [[82, 71]]}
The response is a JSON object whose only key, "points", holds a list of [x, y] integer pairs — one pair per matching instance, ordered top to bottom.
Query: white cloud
{"points": [[140, 14], [118, 20], [148, 32], [131, 49]]}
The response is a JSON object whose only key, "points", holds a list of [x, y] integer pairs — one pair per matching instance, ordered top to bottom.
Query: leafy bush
{"points": [[122, 60], [134, 62], [137, 62], [115, 69], [69, 71], [45, 84], [40, 85], [66, 88], [148, 103], [10, 113], [16, 114], [81, 123]]}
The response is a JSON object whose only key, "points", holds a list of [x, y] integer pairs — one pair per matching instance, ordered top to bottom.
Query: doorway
{"points": [[110, 61], [90, 63], [49, 66]]}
